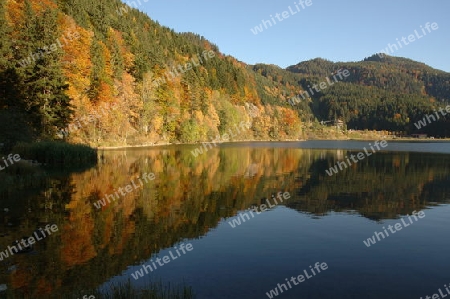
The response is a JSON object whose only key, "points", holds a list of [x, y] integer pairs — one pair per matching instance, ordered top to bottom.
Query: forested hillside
{"points": [[89, 71], [124, 79], [381, 93]]}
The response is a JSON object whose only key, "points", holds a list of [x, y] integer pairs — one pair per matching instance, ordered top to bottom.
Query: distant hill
{"points": [[99, 72], [398, 74], [382, 92]]}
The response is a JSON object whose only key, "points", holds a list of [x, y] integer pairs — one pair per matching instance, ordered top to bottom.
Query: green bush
{"points": [[55, 153], [151, 290]]}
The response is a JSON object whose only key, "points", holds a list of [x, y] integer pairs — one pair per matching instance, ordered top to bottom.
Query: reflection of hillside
{"points": [[383, 186], [191, 195], [188, 197]]}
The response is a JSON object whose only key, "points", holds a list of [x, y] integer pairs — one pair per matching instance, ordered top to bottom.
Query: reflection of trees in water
{"points": [[382, 186], [191, 196]]}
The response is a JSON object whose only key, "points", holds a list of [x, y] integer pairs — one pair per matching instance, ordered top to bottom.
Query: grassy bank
{"points": [[54, 153], [154, 290]]}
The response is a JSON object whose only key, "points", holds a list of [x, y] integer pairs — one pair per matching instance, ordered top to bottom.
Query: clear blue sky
{"points": [[347, 30]]}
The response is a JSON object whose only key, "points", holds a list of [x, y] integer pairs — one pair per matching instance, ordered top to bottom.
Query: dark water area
{"points": [[193, 200]]}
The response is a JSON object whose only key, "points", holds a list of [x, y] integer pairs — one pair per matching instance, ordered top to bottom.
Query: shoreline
{"points": [[412, 140], [194, 144]]}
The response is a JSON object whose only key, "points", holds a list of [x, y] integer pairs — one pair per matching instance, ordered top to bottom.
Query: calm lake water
{"points": [[194, 199]]}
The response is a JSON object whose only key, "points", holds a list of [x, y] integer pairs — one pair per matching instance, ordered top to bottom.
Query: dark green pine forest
{"points": [[92, 72]]}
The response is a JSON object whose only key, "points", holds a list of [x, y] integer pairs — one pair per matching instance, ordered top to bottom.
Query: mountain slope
{"points": [[91, 71], [133, 81], [383, 93]]}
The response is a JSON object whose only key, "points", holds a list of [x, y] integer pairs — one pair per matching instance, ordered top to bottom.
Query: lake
{"points": [[204, 200]]}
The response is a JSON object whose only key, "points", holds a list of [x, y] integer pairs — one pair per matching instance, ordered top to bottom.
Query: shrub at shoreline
{"points": [[54, 153]]}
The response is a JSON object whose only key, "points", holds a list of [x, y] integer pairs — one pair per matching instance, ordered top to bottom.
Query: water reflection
{"points": [[189, 197]]}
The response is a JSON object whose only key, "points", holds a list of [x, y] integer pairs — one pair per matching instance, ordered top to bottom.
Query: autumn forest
{"points": [[65, 61]]}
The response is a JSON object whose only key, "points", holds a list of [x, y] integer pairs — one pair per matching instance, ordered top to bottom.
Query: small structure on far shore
{"points": [[419, 135]]}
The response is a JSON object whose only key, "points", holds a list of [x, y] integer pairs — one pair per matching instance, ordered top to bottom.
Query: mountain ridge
{"points": [[117, 59]]}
